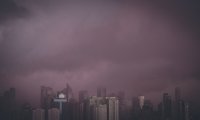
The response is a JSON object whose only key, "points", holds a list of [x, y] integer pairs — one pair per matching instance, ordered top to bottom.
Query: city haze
{"points": [[142, 48]]}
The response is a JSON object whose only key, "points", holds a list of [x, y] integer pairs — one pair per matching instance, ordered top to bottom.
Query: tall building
{"points": [[68, 92], [101, 92], [177, 94], [83, 95], [47, 96], [121, 97], [9, 98], [46, 99], [60, 99], [141, 101], [8, 105], [122, 105], [179, 106], [167, 107], [92, 108], [95, 108], [101, 108], [113, 108], [70, 110], [136, 110], [147, 111], [26, 112], [102, 112], [187, 112], [38, 114], [53, 114]]}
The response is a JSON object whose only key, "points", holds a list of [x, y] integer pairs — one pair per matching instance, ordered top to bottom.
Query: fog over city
{"points": [[140, 47]]}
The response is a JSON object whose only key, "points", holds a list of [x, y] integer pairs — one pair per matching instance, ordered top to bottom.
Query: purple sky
{"points": [[139, 47]]}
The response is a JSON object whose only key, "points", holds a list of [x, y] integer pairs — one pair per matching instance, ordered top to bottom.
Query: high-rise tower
{"points": [[167, 107]]}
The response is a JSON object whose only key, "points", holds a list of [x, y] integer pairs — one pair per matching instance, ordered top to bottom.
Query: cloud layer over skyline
{"points": [[139, 47]]}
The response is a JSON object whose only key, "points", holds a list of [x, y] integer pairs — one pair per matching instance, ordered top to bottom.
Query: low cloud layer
{"points": [[139, 47]]}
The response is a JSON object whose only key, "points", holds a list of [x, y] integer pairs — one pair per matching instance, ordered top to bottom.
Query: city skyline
{"points": [[83, 94], [61, 105]]}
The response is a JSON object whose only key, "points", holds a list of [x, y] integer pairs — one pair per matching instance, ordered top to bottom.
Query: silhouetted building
{"points": [[68, 92], [177, 94], [83, 95], [47, 96], [121, 97], [60, 99], [8, 105], [179, 105], [122, 106], [167, 107], [70, 110], [136, 110], [160, 111], [26, 112], [147, 112], [187, 112], [38, 114], [53, 114]]}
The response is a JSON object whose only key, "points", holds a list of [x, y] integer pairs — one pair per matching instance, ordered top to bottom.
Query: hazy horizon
{"points": [[140, 47]]}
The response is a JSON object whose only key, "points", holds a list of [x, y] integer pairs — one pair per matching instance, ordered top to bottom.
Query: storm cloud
{"points": [[139, 47]]}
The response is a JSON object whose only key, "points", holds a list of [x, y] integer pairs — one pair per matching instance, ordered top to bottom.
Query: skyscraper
{"points": [[68, 92], [177, 94], [83, 95], [47, 96], [121, 97], [60, 99], [141, 101], [8, 105], [179, 105], [122, 106], [92, 107], [167, 107], [100, 108], [113, 108], [147, 111], [26, 112], [102, 112], [187, 112], [38, 114], [53, 114]]}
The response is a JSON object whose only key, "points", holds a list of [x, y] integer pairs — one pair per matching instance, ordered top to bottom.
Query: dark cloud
{"points": [[9, 9], [140, 47]]}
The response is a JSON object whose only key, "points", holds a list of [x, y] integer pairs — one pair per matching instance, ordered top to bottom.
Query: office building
{"points": [[68, 92], [177, 94], [83, 95], [47, 96], [141, 101], [167, 107], [113, 108], [102, 112], [38, 114], [53, 114]]}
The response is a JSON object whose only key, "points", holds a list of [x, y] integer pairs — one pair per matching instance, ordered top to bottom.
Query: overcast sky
{"points": [[143, 48]]}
